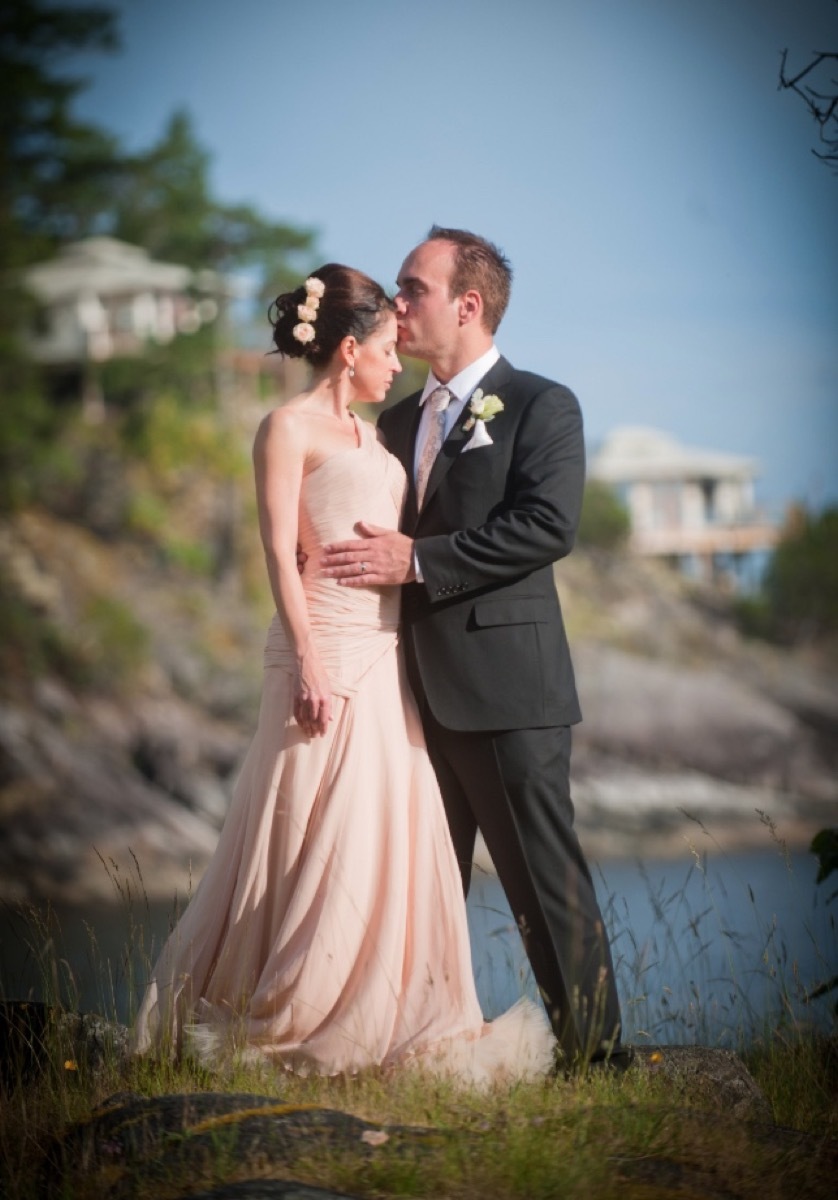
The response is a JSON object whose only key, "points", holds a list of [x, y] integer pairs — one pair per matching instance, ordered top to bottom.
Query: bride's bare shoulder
{"points": [[294, 413], [287, 422]]}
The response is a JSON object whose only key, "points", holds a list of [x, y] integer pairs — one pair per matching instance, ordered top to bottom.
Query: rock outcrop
{"points": [[130, 775]]}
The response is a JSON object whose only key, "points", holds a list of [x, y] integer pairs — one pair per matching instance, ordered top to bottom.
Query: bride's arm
{"points": [[278, 459]]}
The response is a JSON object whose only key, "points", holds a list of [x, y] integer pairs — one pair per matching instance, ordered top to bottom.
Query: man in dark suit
{"points": [[488, 513]]}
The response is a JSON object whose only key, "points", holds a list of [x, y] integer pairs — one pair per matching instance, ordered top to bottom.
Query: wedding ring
{"points": [[363, 567]]}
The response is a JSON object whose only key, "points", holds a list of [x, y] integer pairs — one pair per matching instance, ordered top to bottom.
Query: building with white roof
{"points": [[101, 298], [694, 507]]}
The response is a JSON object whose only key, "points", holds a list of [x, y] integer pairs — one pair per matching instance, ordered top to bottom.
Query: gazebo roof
{"points": [[105, 266], [634, 453]]}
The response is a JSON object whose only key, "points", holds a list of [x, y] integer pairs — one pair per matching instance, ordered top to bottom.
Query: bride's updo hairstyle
{"points": [[335, 302]]}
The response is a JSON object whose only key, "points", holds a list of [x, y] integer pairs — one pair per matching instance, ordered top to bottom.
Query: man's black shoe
{"points": [[616, 1063]]}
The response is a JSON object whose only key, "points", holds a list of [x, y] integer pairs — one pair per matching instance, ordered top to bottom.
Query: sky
{"points": [[673, 236]]}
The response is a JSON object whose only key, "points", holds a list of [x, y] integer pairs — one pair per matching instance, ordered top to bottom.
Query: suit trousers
{"points": [[514, 786]]}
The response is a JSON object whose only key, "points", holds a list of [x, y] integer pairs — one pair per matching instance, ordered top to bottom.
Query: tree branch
{"points": [[822, 105]]}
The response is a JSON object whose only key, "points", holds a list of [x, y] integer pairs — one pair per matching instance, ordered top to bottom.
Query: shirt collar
{"points": [[464, 382]]}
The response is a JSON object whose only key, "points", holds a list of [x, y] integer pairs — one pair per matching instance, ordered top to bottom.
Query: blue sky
{"points": [[673, 237]]}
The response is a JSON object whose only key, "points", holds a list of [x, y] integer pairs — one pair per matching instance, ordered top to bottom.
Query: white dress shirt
{"points": [[461, 387]]}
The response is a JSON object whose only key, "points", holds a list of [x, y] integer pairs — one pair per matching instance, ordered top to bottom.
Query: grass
{"points": [[729, 971], [647, 1134], [595, 1138]]}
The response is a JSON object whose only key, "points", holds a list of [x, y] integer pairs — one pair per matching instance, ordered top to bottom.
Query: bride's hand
{"points": [[312, 696]]}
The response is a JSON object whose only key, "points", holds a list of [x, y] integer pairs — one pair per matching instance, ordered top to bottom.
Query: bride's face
{"points": [[376, 362]]}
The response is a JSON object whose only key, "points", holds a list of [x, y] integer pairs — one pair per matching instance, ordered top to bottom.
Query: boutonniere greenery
{"points": [[482, 408]]}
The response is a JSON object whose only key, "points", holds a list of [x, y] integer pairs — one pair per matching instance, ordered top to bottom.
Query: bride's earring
{"points": [[351, 372]]}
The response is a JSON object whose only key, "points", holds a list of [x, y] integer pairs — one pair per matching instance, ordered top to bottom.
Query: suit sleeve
{"points": [[536, 522]]}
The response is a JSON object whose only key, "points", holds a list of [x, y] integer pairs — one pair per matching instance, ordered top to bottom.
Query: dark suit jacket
{"points": [[486, 626]]}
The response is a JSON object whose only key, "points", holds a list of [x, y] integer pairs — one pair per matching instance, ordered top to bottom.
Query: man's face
{"points": [[428, 317]]}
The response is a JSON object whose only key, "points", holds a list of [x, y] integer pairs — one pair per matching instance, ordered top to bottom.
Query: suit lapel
{"points": [[403, 445], [412, 504]]}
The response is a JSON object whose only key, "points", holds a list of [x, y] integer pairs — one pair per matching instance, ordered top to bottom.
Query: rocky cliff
{"points": [[130, 686]]}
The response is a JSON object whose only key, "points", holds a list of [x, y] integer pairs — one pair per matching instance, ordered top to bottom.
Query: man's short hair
{"points": [[480, 266]]}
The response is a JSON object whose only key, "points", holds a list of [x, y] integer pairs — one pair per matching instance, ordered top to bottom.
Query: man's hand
{"points": [[380, 558]]}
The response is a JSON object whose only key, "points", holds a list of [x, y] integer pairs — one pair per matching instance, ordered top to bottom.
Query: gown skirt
{"points": [[329, 930]]}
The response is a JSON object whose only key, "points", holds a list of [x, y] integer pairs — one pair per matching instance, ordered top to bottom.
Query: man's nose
{"points": [[401, 306]]}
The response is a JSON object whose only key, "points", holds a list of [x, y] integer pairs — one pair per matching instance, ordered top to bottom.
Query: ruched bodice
{"points": [[351, 626]]}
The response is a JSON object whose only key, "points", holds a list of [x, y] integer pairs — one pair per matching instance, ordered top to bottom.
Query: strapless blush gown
{"points": [[329, 930]]}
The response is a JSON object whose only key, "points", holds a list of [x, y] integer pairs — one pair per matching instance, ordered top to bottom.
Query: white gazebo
{"points": [[100, 298]]}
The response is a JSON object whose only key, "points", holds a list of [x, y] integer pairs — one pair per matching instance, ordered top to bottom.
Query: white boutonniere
{"points": [[482, 409]]}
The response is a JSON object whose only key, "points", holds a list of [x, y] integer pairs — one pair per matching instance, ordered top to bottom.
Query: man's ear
{"points": [[471, 307]]}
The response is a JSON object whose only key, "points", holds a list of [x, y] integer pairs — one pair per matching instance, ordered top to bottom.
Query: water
{"points": [[704, 951]]}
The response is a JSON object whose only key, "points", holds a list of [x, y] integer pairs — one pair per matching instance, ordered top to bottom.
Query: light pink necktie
{"points": [[438, 400]]}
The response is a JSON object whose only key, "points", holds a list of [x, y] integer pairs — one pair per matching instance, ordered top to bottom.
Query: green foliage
{"points": [[44, 152], [46, 160], [61, 179], [161, 199], [164, 202], [184, 368], [28, 426], [167, 437], [146, 513], [149, 517], [604, 523], [196, 557], [801, 583], [753, 615], [112, 643], [31, 645], [107, 646], [798, 1075]]}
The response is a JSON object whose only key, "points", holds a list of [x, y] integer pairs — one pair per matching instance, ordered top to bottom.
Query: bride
{"points": [[329, 931]]}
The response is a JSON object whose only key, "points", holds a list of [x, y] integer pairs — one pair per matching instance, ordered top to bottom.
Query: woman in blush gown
{"points": [[329, 930]]}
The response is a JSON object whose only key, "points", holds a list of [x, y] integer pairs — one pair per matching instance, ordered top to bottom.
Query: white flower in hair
{"points": [[307, 312], [303, 332]]}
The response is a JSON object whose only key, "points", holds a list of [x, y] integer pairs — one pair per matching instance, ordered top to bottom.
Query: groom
{"points": [[488, 512]]}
